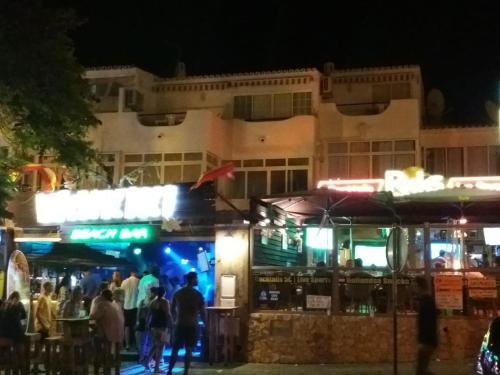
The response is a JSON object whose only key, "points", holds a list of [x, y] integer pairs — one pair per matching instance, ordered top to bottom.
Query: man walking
{"points": [[151, 280], [130, 288], [187, 305], [426, 327]]}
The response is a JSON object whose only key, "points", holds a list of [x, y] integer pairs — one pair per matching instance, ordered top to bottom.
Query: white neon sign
{"points": [[401, 184], [133, 203]]}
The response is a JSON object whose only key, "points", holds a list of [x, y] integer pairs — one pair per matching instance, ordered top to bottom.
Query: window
{"points": [[400, 90], [381, 93], [301, 103], [272, 106], [283, 106], [243, 107], [261, 107], [405, 145], [382, 146], [360, 147], [337, 148], [191, 156], [152, 157], [172, 157], [107, 158], [133, 158], [435, 160], [494, 160], [298, 161], [403, 161], [454, 161], [477, 161], [275, 162], [236, 163], [253, 163], [381, 163], [359, 166], [338, 167], [191, 172], [109, 173], [172, 174], [151, 175], [297, 180], [278, 182], [256, 183], [236, 187]]}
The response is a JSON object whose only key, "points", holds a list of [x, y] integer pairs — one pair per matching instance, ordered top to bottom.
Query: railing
{"points": [[362, 109], [162, 119]]}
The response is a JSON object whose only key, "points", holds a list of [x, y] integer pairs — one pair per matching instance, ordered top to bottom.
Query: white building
{"points": [[283, 130]]}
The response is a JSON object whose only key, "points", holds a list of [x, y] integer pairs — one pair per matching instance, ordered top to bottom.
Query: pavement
{"points": [[437, 367]]}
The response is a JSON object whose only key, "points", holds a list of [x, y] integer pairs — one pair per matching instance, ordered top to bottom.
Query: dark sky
{"points": [[457, 43]]}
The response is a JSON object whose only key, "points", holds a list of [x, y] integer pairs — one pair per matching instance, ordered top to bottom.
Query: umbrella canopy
{"points": [[438, 206], [77, 255]]}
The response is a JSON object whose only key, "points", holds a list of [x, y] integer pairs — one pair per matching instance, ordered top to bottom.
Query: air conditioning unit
{"points": [[326, 86], [133, 100]]}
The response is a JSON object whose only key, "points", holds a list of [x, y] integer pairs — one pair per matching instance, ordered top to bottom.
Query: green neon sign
{"points": [[112, 233]]}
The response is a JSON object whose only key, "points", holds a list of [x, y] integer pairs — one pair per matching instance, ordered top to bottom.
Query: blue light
{"points": [[200, 249], [168, 250], [137, 251], [184, 261], [193, 269]]}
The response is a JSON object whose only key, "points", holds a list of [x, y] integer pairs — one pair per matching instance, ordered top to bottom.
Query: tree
{"points": [[45, 104]]}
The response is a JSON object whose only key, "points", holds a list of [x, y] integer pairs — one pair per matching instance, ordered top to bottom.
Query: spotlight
{"points": [[462, 220], [200, 249], [167, 250], [137, 251], [184, 261], [193, 270]]}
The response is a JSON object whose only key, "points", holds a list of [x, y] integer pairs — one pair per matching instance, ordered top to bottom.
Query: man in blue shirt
{"points": [[90, 287]]}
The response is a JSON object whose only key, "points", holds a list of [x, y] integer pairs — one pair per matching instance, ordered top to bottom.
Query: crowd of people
{"points": [[133, 312]]}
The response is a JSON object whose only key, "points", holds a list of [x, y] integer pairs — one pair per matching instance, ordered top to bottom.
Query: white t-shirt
{"points": [[146, 283], [130, 287]]}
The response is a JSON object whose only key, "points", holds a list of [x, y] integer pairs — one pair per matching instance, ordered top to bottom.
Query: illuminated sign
{"points": [[402, 183], [133, 204], [112, 233]]}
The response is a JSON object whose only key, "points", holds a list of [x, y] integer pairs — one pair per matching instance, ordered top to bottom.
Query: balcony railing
{"points": [[161, 119]]}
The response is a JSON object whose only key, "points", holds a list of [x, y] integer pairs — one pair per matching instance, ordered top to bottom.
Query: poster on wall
{"points": [[18, 278], [482, 288], [448, 292]]}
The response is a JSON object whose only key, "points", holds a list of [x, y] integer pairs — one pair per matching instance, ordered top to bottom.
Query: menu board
{"points": [[482, 288], [448, 292], [318, 302]]}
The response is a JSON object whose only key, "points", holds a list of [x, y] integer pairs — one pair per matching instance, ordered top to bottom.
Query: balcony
{"points": [[362, 109], [161, 119]]}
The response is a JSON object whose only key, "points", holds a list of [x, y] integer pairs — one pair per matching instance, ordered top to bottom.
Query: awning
{"points": [[74, 255]]}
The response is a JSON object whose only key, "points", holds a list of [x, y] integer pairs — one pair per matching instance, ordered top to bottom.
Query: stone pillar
{"points": [[232, 254]]}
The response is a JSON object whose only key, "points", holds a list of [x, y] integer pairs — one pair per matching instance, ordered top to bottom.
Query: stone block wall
{"points": [[311, 338]]}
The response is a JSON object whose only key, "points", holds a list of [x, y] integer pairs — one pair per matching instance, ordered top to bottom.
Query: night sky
{"points": [[456, 43]]}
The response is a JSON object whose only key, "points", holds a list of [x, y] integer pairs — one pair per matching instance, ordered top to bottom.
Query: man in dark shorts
{"points": [[187, 305], [427, 339]]}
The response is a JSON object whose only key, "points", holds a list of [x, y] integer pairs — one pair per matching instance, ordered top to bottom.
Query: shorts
{"points": [[130, 317], [185, 335]]}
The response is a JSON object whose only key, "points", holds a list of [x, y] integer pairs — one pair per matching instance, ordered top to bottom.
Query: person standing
{"points": [[116, 281], [147, 282], [90, 288], [130, 288], [187, 305], [72, 307], [12, 318], [108, 318], [43, 321], [160, 325], [426, 327], [141, 330]]}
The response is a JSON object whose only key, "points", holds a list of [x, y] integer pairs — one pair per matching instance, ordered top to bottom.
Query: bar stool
{"points": [[32, 352], [8, 355], [106, 356], [53, 361]]}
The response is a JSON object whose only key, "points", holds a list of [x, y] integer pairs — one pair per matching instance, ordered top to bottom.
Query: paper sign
{"points": [[482, 288], [448, 292], [318, 302]]}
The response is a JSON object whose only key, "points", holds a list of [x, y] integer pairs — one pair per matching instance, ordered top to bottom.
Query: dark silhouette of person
{"points": [[426, 327]]}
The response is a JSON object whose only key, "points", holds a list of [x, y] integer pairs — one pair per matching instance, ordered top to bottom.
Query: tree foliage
{"points": [[45, 104]]}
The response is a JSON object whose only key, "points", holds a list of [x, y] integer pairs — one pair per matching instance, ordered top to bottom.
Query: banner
{"points": [[448, 292]]}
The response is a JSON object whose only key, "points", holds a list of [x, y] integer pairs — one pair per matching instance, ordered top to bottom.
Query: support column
{"points": [[427, 252], [335, 274]]}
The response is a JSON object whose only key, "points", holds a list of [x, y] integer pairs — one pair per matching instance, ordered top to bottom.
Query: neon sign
{"points": [[402, 183], [132, 204], [112, 233]]}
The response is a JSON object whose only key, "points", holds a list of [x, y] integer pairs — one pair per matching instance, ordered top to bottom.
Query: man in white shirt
{"points": [[147, 282], [130, 288]]}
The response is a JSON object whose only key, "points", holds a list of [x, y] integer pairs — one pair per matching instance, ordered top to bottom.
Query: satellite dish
{"points": [[435, 105], [492, 110]]}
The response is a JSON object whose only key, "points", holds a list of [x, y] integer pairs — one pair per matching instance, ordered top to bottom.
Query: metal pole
{"points": [[395, 268], [335, 308]]}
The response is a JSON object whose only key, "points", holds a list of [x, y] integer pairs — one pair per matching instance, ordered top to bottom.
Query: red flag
{"points": [[225, 170]]}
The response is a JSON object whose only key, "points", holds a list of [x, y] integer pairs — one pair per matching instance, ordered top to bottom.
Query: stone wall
{"points": [[310, 338]]}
